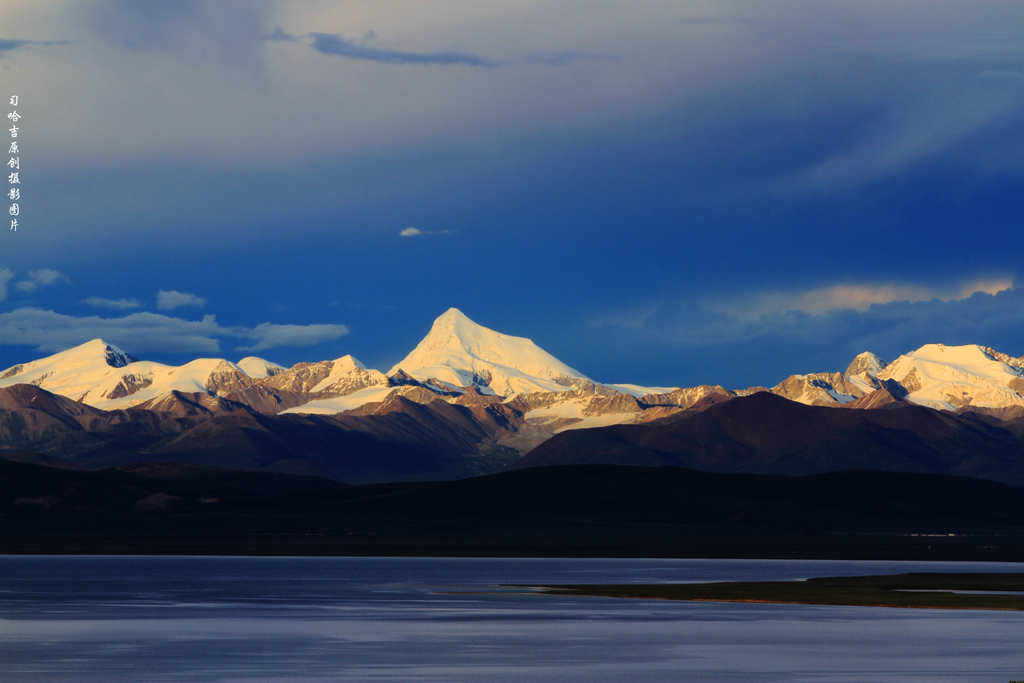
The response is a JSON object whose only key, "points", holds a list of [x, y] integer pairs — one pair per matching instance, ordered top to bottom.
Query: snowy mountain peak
{"points": [[451, 318], [95, 350], [459, 352], [95, 356], [1009, 360], [346, 364], [867, 364], [258, 368], [72, 372], [949, 377]]}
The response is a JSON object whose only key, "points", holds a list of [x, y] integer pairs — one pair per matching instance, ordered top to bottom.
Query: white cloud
{"points": [[412, 232], [5, 276], [40, 278], [857, 297], [170, 300], [117, 304], [736, 317], [49, 332], [270, 336]]}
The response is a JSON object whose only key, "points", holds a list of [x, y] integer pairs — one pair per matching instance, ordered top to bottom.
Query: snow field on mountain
{"points": [[457, 351], [258, 368], [342, 368], [70, 373], [191, 377], [947, 377], [638, 391], [332, 406], [574, 410]]}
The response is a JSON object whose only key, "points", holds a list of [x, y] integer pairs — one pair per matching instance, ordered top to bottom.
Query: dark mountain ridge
{"points": [[767, 434], [397, 440], [586, 510]]}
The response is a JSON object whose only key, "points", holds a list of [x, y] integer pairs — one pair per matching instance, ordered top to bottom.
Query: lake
{"points": [[239, 619]]}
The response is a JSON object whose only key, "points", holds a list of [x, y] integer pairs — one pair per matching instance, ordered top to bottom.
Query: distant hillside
{"points": [[766, 434], [553, 511]]}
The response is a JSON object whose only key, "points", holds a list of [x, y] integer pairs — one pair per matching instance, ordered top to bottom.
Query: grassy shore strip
{"points": [[867, 591]]}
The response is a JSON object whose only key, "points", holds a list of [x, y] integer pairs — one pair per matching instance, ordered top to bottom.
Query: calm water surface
{"points": [[372, 619]]}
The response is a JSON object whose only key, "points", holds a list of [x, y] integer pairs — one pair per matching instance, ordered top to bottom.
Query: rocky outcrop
{"points": [[818, 389]]}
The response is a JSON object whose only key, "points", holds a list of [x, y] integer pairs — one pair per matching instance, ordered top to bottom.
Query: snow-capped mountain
{"points": [[460, 353], [462, 362], [258, 368], [72, 373], [935, 375], [103, 376], [952, 377], [472, 395]]}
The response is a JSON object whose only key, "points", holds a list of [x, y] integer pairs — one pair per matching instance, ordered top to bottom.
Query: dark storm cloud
{"points": [[334, 44], [980, 318], [720, 348]]}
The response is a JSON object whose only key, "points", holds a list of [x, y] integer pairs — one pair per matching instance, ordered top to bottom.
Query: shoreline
{"points": [[1000, 591]]}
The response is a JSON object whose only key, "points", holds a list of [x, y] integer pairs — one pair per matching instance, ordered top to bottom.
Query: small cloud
{"points": [[278, 35], [333, 44], [8, 45], [413, 232], [5, 277], [40, 278], [986, 286], [856, 297], [170, 300], [117, 304], [270, 336]]}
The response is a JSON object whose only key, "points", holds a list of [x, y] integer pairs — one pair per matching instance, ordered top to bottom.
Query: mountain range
{"points": [[468, 400]]}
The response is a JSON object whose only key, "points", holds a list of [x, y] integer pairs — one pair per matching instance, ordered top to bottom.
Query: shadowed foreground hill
{"points": [[766, 434], [403, 440], [555, 511]]}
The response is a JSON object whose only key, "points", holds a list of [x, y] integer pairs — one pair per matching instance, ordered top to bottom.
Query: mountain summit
{"points": [[459, 352], [72, 372], [951, 377]]}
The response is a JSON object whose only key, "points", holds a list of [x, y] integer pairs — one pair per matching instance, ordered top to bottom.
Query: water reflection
{"points": [[343, 619]]}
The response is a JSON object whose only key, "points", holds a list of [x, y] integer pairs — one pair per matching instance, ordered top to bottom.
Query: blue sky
{"points": [[666, 193]]}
